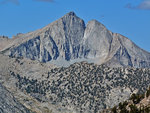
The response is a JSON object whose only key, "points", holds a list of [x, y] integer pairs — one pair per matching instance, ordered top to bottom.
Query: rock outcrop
{"points": [[4, 40], [8, 103]]}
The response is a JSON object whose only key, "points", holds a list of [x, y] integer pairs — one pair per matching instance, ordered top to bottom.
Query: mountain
{"points": [[69, 40], [68, 66]]}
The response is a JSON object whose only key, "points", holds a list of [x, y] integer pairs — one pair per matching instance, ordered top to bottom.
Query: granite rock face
{"points": [[59, 40], [69, 40], [97, 40], [124, 52], [8, 104]]}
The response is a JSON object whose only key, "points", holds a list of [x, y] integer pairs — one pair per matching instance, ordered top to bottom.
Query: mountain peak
{"points": [[71, 14], [96, 23]]}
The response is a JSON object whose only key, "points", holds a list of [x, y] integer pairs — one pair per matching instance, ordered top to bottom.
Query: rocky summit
{"points": [[69, 40]]}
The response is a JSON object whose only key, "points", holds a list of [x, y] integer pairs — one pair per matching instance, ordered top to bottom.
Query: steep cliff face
{"points": [[68, 40], [97, 41]]}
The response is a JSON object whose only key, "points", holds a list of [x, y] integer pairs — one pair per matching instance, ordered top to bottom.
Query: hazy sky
{"points": [[130, 18]]}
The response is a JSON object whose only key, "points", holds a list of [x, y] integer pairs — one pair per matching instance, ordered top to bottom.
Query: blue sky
{"points": [[130, 18]]}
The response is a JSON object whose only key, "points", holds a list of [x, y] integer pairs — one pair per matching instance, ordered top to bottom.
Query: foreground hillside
{"points": [[81, 87]]}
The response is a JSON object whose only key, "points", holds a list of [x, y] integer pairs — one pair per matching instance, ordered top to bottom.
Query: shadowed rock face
{"points": [[68, 40], [8, 104]]}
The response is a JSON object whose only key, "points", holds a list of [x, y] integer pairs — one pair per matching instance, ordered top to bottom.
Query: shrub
{"points": [[148, 92], [136, 98], [122, 107], [114, 109], [133, 109]]}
